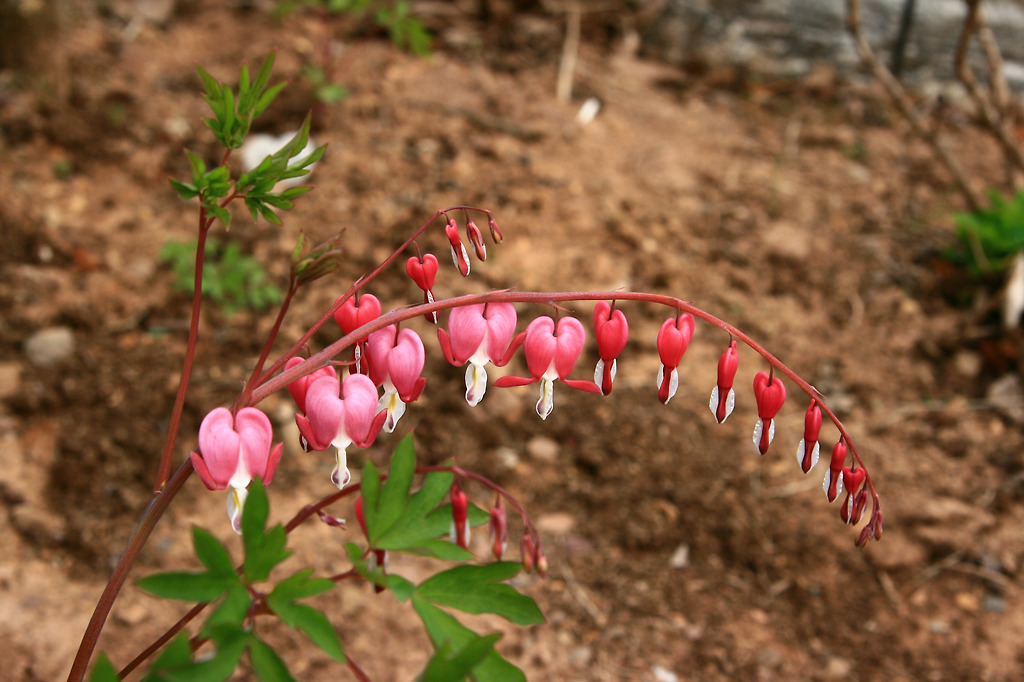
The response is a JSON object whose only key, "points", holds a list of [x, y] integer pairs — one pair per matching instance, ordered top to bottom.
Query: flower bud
{"points": [[476, 238], [459, 255], [723, 397], [809, 449], [833, 483], [460, 517], [499, 530]]}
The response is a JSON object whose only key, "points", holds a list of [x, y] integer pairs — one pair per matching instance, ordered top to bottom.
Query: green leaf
{"points": [[198, 168], [185, 190], [370, 492], [394, 498], [254, 516], [263, 550], [212, 553], [186, 586], [299, 586], [477, 589], [231, 611], [314, 625], [442, 627], [231, 644], [177, 654], [267, 665], [448, 667], [103, 670]]}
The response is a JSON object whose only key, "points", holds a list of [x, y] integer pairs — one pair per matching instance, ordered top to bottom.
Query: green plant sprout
{"points": [[988, 239], [232, 280]]}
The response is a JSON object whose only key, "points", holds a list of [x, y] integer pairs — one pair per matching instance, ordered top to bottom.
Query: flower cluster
{"points": [[382, 374]]}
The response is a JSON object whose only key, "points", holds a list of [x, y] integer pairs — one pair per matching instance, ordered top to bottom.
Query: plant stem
{"points": [[190, 351], [157, 506]]}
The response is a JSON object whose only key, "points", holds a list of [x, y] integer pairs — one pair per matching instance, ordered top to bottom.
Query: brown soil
{"points": [[802, 212]]}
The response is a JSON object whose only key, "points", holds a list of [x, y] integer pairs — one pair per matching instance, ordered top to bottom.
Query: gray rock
{"points": [[49, 346]]}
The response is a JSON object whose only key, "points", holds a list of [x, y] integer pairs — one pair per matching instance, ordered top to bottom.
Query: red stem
{"points": [[157, 506]]}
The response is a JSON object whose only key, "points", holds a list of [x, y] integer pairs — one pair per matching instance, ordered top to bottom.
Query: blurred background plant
{"points": [[405, 31], [988, 239], [232, 281]]}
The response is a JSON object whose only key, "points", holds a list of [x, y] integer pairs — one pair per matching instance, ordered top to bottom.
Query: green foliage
{"points": [[988, 239], [231, 280], [399, 520], [228, 626]]}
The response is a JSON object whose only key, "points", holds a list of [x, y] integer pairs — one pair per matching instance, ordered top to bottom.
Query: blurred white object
{"points": [[588, 112], [259, 146], [1013, 304]]}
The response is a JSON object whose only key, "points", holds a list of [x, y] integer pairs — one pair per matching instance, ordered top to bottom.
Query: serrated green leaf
{"points": [[220, 213], [370, 492], [394, 497], [254, 516], [263, 550], [212, 553], [186, 586], [299, 586], [400, 587], [476, 589], [232, 610], [316, 626], [443, 627], [231, 644], [177, 654], [267, 665], [449, 666], [103, 670]]}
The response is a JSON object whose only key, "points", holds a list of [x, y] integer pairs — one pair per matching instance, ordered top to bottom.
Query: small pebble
{"points": [[49, 346]]}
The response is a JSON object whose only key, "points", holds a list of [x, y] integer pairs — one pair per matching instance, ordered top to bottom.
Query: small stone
{"points": [[49, 346], [10, 379], [543, 448], [558, 523], [37, 524], [680, 558], [967, 601], [581, 656], [838, 668], [663, 674]]}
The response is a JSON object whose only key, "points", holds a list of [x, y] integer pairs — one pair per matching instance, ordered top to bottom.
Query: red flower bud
{"points": [[492, 225], [476, 238], [459, 255], [612, 332], [673, 339], [770, 394], [723, 397], [809, 450], [833, 483], [460, 517], [499, 530], [527, 552]]}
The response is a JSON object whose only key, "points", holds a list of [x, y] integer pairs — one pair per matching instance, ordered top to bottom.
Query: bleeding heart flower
{"points": [[423, 271], [352, 315], [612, 332], [478, 334], [673, 339], [551, 353], [396, 363], [299, 387], [770, 393], [723, 397], [340, 414], [234, 449], [460, 517]]}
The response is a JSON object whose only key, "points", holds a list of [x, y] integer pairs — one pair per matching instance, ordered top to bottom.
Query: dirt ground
{"points": [[802, 212]]}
